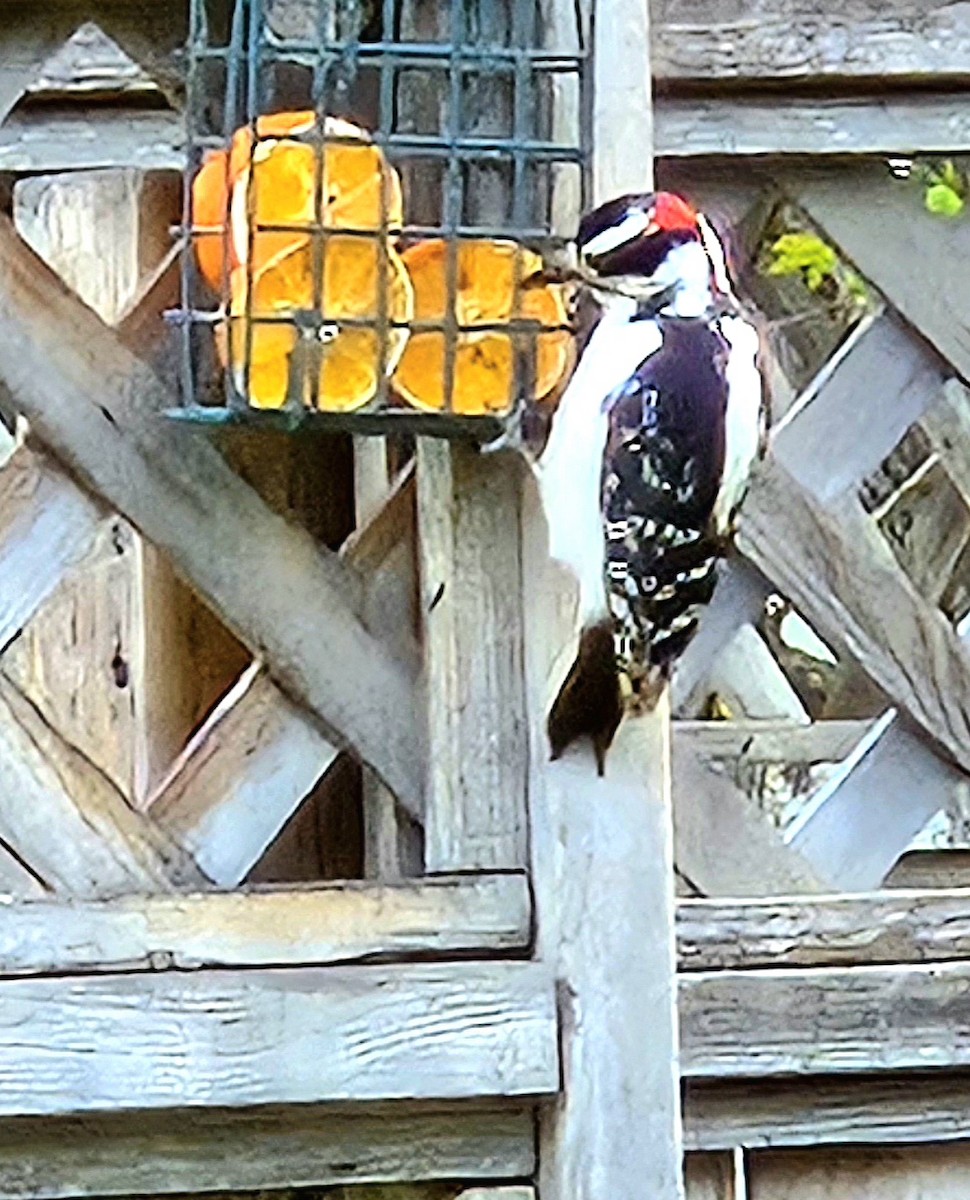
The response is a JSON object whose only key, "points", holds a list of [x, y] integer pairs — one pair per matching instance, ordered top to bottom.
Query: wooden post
{"points": [[468, 517], [603, 848]]}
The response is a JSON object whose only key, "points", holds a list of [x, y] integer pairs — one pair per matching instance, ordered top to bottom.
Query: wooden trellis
{"points": [[497, 997]]}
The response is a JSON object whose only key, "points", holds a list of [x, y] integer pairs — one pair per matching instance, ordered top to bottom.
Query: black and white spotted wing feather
{"points": [[662, 472]]}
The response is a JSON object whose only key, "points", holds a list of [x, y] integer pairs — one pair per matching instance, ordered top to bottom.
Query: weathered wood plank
{"points": [[708, 40], [769, 125], [91, 139], [855, 208], [103, 232], [97, 407], [870, 423], [47, 524], [847, 584], [739, 600], [471, 601], [76, 661], [746, 676], [770, 741], [241, 778], [710, 815], [67, 822], [858, 828], [599, 846], [320, 925], [880, 928], [818, 1020], [219, 1039], [909, 1108], [245, 1150], [889, 1173], [710, 1177]]}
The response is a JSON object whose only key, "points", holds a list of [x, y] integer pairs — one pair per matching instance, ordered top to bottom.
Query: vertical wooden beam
{"points": [[471, 603], [603, 848]]}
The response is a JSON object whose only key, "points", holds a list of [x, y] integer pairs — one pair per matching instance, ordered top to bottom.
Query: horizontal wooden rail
{"points": [[336, 923], [898, 926], [435, 1032], [161, 1153]]}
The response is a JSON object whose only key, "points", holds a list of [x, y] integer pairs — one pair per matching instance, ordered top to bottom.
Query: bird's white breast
{"points": [[570, 470]]}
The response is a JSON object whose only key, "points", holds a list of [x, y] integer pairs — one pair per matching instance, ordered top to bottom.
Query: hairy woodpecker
{"points": [[648, 455]]}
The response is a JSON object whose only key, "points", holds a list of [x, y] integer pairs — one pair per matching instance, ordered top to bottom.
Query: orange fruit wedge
{"points": [[274, 179], [303, 342], [485, 360]]}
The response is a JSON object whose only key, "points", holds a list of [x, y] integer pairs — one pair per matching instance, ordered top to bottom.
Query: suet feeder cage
{"points": [[371, 189]]}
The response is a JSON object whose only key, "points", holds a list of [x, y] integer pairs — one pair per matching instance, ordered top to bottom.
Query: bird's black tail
{"points": [[590, 701]]}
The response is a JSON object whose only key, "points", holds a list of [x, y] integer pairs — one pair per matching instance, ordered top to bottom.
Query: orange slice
{"points": [[273, 180], [345, 360], [484, 373]]}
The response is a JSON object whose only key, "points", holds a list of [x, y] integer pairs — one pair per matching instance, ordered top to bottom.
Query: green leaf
{"points": [[952, 177], [943, 201]]}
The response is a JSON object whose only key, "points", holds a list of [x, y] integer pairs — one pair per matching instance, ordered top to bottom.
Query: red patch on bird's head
{"points": [[672, 213]]}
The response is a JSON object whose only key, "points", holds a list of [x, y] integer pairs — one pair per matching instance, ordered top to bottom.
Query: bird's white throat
{"points": [[686, 268]]}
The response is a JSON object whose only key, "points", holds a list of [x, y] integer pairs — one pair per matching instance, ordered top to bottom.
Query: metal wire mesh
{"points": [[302, 313]]}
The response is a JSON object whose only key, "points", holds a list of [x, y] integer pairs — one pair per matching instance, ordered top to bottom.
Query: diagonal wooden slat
{"points": [[859, 210], [99, 409], [853, 417], [47, 525], [835, 568], [258, 757], [241, 779], [65, 820], [723, 845]]}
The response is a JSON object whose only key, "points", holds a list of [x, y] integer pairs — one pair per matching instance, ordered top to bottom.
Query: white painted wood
{"points": [[709, 40], [622, 84], [768, 125], [97, 407], [47, 524], [471, 604], [75, 660], [771, 741], [240, 780], [67, 822], [600, 846], [320, 925], [897, 926], [817, 1020], [224, 1039], [835, 1110], [246, 1150], [913, 1173], [518, 1192]]}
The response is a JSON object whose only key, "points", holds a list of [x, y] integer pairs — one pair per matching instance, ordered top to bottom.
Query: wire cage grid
{"points": [[363, 78]]}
